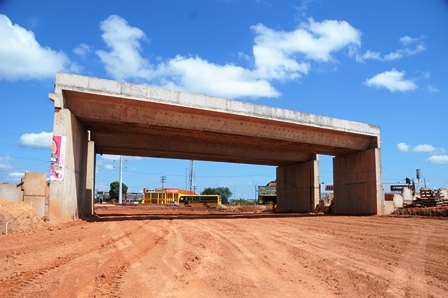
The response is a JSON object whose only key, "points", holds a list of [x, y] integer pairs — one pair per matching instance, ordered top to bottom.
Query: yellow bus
{"points": [[163, 196], [200, 200]]}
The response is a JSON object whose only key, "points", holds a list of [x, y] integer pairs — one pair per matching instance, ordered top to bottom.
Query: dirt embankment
{"points": [[439, 211], [17, 216], [138, 252]]}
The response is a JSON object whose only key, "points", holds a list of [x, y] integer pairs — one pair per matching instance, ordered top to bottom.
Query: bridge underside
{"points": [[108, 117]]}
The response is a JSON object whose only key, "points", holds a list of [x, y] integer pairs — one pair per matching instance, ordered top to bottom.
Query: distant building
{"points": [[327, 192], [267, 193], [134, 197]]}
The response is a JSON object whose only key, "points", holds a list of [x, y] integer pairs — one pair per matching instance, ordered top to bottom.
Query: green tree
{"points": [[115, 188], [224, 192], [243, 202]]}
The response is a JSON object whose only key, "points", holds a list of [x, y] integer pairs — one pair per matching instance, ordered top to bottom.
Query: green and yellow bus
{"points": [[200, 200]]}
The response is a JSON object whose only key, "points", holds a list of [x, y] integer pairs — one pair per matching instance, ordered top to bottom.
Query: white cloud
{"points": [[302, 8], [407, 40], [82, 50], [405, 51], [276, 53], [370, 55], [22, 57], [275, 58], [123, 60], [197, 75], [392, 80], [432, 89], [36, 140], [403, 147], [424, 148], [438, 159], [5, 163], [109, 167], [16, 174]]}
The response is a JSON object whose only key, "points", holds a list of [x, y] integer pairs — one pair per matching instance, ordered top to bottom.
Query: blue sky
{"points": [[379, 62]]}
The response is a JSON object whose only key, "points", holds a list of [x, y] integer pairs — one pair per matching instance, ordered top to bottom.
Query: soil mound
{"points": [[438, 211], [17, 216]]}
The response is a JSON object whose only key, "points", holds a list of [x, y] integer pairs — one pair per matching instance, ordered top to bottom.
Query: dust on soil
{"points": [[17, 216], [179, 252]]}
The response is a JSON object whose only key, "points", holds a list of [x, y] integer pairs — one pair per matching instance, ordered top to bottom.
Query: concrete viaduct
{"points": [[108, 117]]}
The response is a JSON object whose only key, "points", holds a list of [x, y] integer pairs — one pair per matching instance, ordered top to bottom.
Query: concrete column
{"points": [[90, 179], [357, 183], [298, 187], [35, 192], [67, 195]]}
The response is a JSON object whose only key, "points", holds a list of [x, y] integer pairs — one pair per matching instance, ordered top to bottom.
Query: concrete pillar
{"points": [[90, 178], [357, 183], [298, 187], [35, 192], [68, 194]]}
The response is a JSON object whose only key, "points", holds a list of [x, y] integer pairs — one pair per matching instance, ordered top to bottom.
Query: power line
{"points": [[200, 176]]}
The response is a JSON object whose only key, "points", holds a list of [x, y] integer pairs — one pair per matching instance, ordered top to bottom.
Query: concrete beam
{"points": [[143, 93], [93, 109], [222, 148], [357, 183]]}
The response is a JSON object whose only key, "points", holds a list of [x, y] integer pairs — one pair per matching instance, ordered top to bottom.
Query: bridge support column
{"points": [[90, 178], [357, 183], [68, 187], [298, 187]]}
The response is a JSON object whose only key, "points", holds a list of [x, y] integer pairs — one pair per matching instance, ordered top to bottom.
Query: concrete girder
{"points": [[90, 107], [199, 137], [225, 150]]}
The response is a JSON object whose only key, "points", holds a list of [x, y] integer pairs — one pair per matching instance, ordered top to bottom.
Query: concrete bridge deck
{"points": [[109, 117]]}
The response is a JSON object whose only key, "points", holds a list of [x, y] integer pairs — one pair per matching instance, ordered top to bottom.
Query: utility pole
{"points": [[191, 176], [186, 178], [163, 179], [120, 182], [255, 193]]}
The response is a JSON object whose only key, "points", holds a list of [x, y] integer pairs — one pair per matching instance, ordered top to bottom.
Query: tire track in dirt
{"points": [[232, 257], [256, 261], [369, 263], [306, 266], [167, 268], [334, 269], [409, 276], [109, 283], [17, 285]]}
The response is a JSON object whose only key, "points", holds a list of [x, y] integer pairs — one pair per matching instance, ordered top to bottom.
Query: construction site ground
{"points": [[138, 251]]}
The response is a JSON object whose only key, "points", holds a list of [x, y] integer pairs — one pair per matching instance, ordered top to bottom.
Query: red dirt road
{"points": [[162, 253]]}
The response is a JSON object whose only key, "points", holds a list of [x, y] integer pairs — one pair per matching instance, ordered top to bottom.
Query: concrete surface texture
{"points": [[128, 119], [297, 185], [33, 190], [36, 192]]}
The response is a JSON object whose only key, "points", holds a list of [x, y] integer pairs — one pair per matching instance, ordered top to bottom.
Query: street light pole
{"points": [[163, 179], [120, 187]]}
